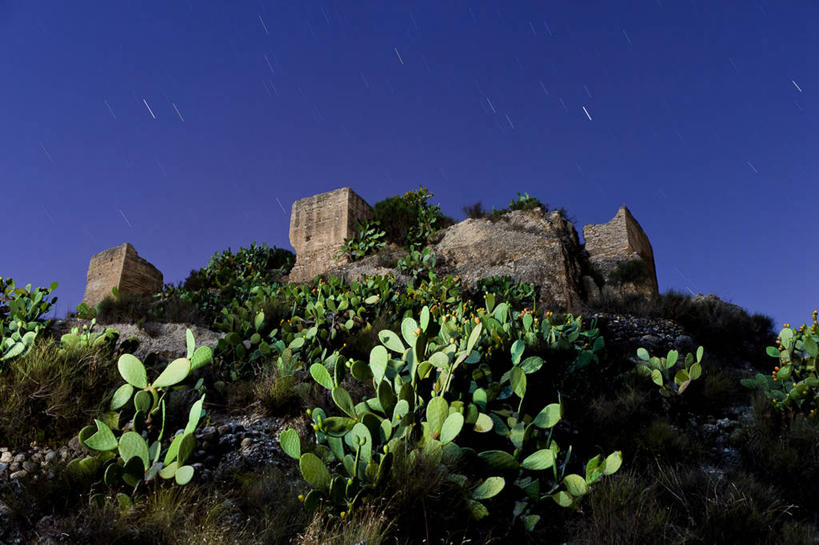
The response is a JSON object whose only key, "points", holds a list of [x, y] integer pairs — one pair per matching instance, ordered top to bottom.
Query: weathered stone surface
{"points": [[318, 227], [619, 241], [528, 245], [381, 264], [120, 267]]}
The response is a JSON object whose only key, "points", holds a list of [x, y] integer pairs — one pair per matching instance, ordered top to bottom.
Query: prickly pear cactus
{"points": [[793, 385], [436, 396], [129, 445]]}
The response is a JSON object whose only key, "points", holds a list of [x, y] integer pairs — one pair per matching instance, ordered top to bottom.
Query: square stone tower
{"points": [[318, 227], [621, 240], [121, 268]]}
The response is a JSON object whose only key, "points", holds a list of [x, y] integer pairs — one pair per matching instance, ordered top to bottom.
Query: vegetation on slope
{"points": [[436, 413]]}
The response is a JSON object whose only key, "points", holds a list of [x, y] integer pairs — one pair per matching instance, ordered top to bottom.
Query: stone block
{"points": [[318, 227], [619, 241], [121, 268]]}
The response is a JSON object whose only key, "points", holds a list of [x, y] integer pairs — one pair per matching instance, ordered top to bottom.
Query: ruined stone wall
{"points": [[318, 227], [620, 240], [120, 267]]}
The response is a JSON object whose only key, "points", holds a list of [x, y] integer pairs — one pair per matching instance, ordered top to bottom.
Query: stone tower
{"points": [[318, 227], [621, 240], [121, 268]]}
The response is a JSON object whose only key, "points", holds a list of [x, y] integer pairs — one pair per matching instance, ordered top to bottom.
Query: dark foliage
{"points": [[475, 211], [633, 271], [49, 394]]}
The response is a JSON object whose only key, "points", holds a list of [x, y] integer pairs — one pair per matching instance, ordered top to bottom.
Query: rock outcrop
{"points": [[318, 227], [528, 245], [121, 268]]}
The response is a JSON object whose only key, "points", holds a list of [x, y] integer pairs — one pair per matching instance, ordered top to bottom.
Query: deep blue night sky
{"points": [[187, 127]]}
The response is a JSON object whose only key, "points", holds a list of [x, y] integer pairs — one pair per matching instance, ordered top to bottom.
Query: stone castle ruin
{"points": [[318, 227], [612, 245], [530, 246], [122, 268]]}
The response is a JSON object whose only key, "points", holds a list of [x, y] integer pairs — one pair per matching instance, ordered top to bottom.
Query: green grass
{"points": [[49, 394]]}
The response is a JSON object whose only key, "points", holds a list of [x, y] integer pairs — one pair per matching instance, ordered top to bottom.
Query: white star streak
{"points": [[150, 111], [182, 119]]}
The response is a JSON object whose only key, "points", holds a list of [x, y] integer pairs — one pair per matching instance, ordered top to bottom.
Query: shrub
{"points": [[527, 202], [475, 211], [409, 220], [368, 240], [417, 263], [633, 271], [228, 276], [507, 290], [123, 308], [21, 312], [722, 328], [660, 370], [793, 386], [50, 392], [422, 406], [777, 448], [132, 459], [266, 499], [623, 510], [165, 516]]}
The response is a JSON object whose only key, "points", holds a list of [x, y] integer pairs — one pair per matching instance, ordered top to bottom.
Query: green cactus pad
{"points": [[408, 330], [391, 341], [190, 343], [517, 350], [642, 353], [201, 357], [378, 362], [532, 364], [360, 370], [132, 371], [174, 373], [321, 375], [517, 379], [122, 396], [386, 397], [143, 401], [344, 401], [437, 411], [194, 415], [549, 416], [483, 423], [337, 425], [452, 427], [360, 437], [102, 440], [291, 443], [132, 445], [186, 447], [173, 449], [498, 459], [539, 460], [613, 462], [169, 471], [314, 471], [113, 475], [183, 475], [575, 485], [490, 488], [313, 500], [478, 510]]}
